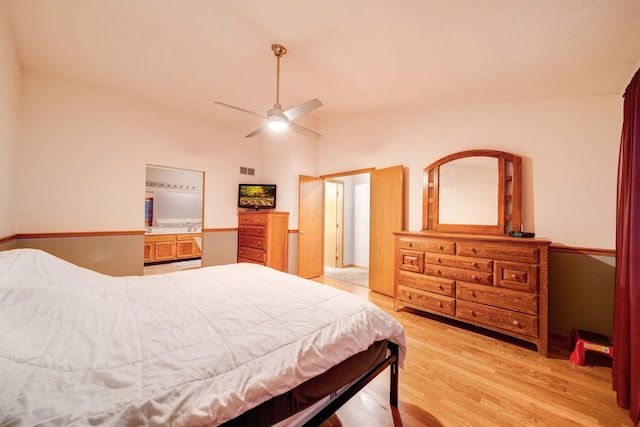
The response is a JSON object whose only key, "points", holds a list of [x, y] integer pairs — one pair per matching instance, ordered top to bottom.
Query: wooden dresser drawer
{"points": [[252, 219], [252, 230], [251, 241], [428, 245], [498, 251], [257, 255], [252, 261], [411, 261], [462, 262], [459, 274], [511, 275], [427, 283], [427, 301], [524, 302], [497, 317]]}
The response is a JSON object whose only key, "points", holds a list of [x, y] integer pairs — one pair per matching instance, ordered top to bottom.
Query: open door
{"points": [[387, 206], [310, 219], [333, 223]]}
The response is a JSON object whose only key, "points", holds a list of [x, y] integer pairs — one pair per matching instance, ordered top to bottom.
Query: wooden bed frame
{"points": [[391, 360]]}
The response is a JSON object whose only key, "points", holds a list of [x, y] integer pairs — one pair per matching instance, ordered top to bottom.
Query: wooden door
{"points": [[387, 213], [310, 218], [333, 223]]}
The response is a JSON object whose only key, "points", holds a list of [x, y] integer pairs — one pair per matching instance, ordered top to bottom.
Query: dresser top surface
{"points": [[262, 212], [502, 238]]}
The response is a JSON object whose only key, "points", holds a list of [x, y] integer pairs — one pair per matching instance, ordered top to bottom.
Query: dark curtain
{"points": [[626, 321]]}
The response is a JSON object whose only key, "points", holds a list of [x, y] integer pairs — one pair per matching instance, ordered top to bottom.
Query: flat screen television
{"points": [[257, 196]]}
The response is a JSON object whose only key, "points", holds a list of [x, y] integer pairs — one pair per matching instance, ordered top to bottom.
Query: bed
{"points": [[220, 345]]}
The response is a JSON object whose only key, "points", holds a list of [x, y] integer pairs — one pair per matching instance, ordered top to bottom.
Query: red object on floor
{"points": [[588, 341]]}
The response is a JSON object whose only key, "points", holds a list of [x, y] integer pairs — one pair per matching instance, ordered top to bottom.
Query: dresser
{"points": [[263, 238], [496, 282]]}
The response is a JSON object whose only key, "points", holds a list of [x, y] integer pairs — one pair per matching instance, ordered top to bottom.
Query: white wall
{"points": [[9, 104], [569, 148], [83, 153], [80, 163]]}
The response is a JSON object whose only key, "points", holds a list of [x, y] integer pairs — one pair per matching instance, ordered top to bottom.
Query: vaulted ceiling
{"points": [[353, 55]]}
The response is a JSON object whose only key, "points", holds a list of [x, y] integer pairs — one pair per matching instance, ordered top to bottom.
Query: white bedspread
{"points": [[188, 348]]}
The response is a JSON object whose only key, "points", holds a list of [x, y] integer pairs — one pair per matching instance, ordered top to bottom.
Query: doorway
{"points": [[386, 215], [173, 219], [346, 228]]}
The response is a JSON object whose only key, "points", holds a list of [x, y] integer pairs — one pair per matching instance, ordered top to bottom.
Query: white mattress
{"points": [[187, 348]]}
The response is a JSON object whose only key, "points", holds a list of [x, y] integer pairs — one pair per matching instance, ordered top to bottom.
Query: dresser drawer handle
{"points": [[410, 244], [440, 247], [474, 264], [438, 271], [513, 276], [474, 277], [441, 287], [440, 304], [473, 313], [515, 323]]}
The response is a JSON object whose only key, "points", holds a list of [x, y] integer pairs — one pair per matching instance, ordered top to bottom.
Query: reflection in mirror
{"points": [[469, 191], [173, 199]]}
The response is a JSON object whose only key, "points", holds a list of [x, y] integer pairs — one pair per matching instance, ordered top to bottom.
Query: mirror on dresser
{"points": [[474, 191]]}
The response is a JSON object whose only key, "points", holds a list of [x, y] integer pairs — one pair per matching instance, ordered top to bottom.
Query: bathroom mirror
{"points": [[475, 191], [173, 200]]}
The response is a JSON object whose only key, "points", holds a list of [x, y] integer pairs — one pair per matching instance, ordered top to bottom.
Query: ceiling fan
{"points": [[276, 118]]}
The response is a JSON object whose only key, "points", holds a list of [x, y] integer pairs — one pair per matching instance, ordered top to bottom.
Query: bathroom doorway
{"points": [[173, 219]]}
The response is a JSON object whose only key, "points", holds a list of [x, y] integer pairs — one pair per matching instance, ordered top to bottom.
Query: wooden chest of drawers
{"points": [[263, 238], [493, 281]]}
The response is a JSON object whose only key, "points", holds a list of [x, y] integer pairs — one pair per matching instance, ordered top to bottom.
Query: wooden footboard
{"points": [[390, 361]]}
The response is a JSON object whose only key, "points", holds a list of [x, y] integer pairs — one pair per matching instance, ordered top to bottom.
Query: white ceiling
{"points": [[353, 55]]}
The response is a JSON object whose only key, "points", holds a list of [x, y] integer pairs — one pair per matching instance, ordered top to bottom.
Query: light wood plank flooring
{"points": [[171, 267], [458, 376]]}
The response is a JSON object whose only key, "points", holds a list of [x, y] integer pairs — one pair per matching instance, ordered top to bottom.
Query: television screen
{"points": [[257, 196]]}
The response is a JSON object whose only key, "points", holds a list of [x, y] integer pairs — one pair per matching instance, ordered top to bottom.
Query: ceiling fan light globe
{"points": [[277, 124]]}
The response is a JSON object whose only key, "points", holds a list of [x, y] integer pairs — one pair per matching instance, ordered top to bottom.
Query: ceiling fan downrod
{"points": [[278, 51]]}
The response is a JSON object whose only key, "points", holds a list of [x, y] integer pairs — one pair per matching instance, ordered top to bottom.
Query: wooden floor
{"points": [[457, 376]]}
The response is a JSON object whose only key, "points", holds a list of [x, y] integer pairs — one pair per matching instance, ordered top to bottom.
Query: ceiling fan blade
{"points": [[302, 109], [262, 116], [303, 130], [257, 131]]}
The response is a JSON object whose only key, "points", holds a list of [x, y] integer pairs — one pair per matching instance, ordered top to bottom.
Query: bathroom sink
{"points": [[170, 230]]}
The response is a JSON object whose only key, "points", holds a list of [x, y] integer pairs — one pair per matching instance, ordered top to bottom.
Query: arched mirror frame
{"points": [[509, 200]]}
